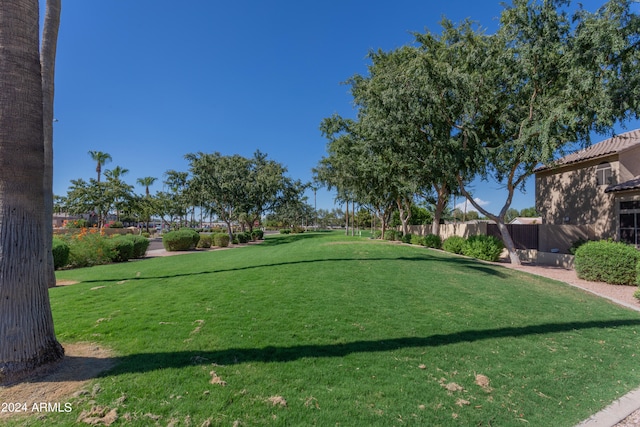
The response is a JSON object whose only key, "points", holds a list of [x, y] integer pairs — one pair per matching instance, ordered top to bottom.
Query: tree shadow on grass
{"points": [[282, 239], [461, 262], [145, 362]]}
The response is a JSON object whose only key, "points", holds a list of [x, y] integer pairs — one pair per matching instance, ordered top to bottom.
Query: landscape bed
{"points": [[323, 329]]}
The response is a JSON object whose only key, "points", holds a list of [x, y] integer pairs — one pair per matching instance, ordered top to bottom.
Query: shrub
{"points": [[77, 223], [297, 229], [285, 231], [145, 234], [257, 234], [377, 234], [390, 235], [242, 237], [406, 238], [221, 239], [180, 240], [416, 240], [205, 241], [432, 241], [454, 244], [140, 245], [575, 245], [122, 248], [487, 248], [87, 249], [60, 250], [610, 262], [637, 294]]}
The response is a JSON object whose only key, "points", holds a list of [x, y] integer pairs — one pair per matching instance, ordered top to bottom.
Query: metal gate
{"points": [[525, 236]]}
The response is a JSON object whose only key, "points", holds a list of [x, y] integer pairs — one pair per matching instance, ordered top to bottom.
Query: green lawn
{"points": [[348, 331]]}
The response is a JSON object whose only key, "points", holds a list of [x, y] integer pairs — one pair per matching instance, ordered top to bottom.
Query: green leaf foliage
{"points": [[180, 240], [221, 240], [205, 241], [432, 241], [454, 244], [140, 245], [122, 248], [486, 248], [60, 250], [610, 262]]}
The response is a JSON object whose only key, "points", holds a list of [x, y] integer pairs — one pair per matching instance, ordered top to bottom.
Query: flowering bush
{"points": [[88, 248]]}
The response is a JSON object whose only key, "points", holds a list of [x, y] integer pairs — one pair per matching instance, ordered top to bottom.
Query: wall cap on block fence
{"points": [[547, 258]]}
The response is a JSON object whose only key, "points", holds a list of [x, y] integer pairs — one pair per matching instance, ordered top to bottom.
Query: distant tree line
{"points": [[232, 189]]}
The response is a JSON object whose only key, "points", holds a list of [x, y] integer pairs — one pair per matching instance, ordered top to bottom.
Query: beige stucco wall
{"points": [[629, 164], [569, 195], [447, 230], [559, 238]]}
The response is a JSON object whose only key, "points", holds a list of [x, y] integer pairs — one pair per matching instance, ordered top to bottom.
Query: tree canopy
{"points": [[463, 104]]}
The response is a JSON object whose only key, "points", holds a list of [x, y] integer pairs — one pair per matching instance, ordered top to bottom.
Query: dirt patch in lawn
{"points": [[66, 282], [56, 384]]}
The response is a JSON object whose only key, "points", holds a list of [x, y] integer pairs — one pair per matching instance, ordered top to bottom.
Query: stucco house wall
{"points": [[629, 164], [569, 192], [570, 195]]}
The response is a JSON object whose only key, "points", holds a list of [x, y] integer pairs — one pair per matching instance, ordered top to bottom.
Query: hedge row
{"points": [[180, 240], [486, 248], [85, 250], [606, 261]]}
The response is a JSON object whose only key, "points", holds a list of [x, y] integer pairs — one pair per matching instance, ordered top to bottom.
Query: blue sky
{"points": [[149, 81]]}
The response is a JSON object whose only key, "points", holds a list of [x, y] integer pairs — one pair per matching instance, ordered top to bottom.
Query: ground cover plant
{"points": [[323, 329]]}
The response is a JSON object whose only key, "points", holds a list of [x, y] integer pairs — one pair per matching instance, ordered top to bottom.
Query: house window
{"points": [[603, 174], [630, 222]]}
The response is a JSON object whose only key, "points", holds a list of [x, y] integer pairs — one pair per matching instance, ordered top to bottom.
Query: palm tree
{"points": [[48, 62], [100, 158], [146, 182], [26, 324]]}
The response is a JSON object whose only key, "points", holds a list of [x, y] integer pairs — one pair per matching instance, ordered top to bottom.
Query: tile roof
{"points": [[612, 145], [632, 184]]}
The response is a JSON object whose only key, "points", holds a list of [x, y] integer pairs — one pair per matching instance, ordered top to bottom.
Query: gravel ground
{"points": [[622, 295]]}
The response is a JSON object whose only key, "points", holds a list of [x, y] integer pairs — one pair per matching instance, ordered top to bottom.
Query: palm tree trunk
{"points": [[48, 61], [27, 338]]}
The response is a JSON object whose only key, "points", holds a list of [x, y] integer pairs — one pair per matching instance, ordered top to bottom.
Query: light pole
{"points": [[315, 209]]}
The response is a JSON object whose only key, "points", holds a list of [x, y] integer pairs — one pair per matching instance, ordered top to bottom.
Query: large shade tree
{"points": [[547, 79], [462, 104], [404, 107], [359, 173], [223, 183], [267, 187], [27, 338]]}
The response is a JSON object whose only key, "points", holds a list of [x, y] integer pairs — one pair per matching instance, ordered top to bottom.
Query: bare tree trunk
{"points": [[441, 204], [404, 208], [353, 218], [504, 231], [346, 232], [508, 243], [27, 338]]}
